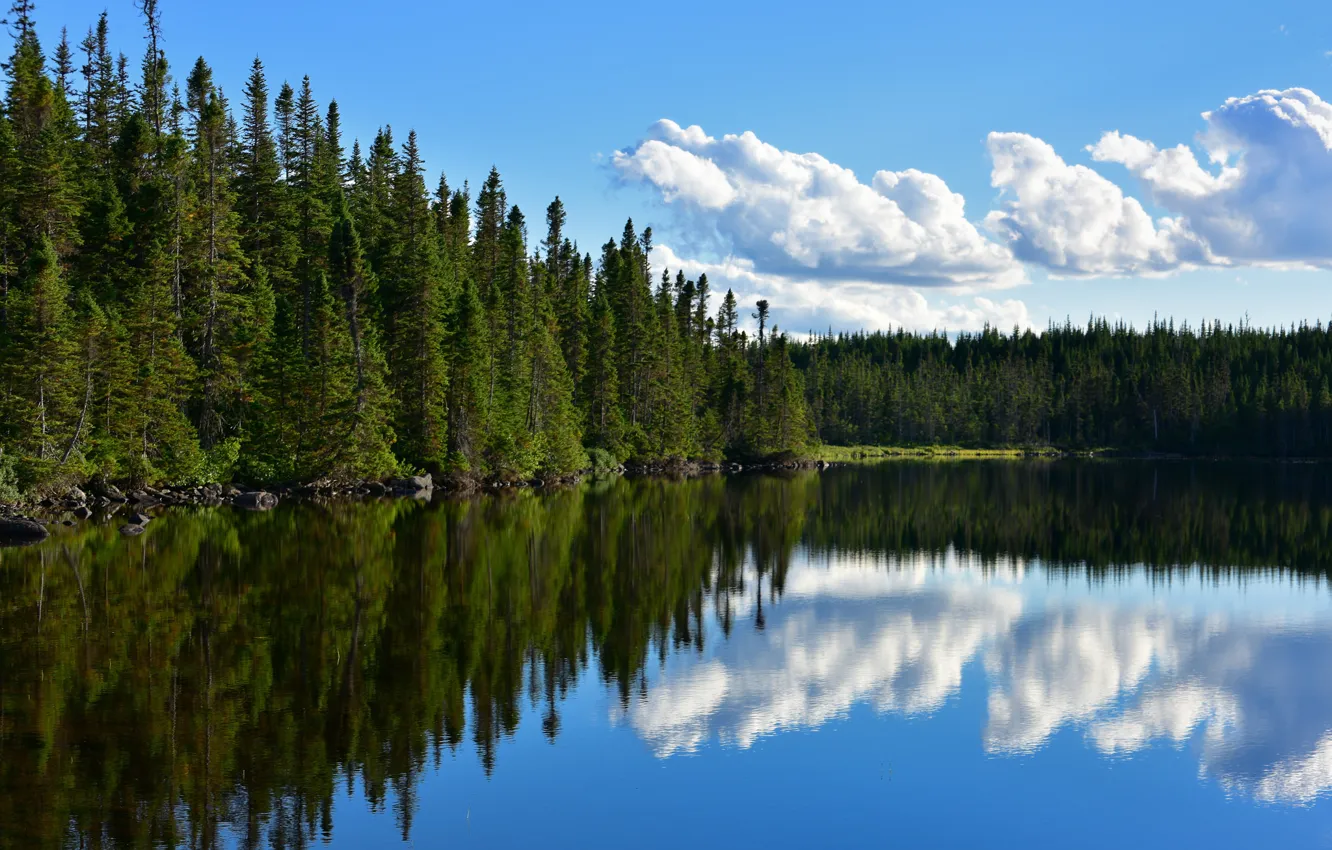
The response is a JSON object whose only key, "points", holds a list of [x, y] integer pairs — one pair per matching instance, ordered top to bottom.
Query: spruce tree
{"points": [[413, 290], [469, 370], [42, 417], [368, 437]]}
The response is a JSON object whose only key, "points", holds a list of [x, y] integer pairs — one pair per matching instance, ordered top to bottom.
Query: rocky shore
{"points": [[136, 508]]}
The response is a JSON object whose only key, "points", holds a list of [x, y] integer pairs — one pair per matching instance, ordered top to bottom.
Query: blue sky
{"points": [[550, 94]]}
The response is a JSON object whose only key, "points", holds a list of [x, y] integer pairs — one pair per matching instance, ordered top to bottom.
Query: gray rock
{"points": [[415, 484], [109, 492], [77, 495], [256, 501], [82, 513], [140, 519], [19, 530], [131, 530]]}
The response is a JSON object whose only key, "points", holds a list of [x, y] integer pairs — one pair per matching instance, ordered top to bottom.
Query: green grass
{"points": [[851, 454]]}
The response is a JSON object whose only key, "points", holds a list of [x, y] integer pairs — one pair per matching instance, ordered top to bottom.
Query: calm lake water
{"points": [[1035, 654]]}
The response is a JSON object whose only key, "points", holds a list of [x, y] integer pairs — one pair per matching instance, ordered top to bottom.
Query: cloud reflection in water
{"points": [[1244, 669]]}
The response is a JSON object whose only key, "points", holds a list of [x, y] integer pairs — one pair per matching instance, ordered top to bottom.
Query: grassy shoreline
{"points": [[852, 454]]}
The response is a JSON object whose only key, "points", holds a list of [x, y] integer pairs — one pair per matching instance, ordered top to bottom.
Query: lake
{"points": [[1044, 653]]}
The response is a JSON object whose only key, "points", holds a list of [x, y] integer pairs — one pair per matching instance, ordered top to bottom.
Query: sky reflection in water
{"points": [[1042, 654], [1245, 669]]}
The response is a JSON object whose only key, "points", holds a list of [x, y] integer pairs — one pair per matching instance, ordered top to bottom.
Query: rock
{"points": [[415, 484], [376, 488], [109, 492], [77, 495], [139, 497], [256, 501], [82, 513], [140, 519], [67, 523], [20, 530], [131, 530]]}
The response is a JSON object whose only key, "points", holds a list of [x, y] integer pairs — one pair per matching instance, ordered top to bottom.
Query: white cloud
{"points": [[1265, 199], [802, 216], [1076, 222], [832, 251], [808, 304]]}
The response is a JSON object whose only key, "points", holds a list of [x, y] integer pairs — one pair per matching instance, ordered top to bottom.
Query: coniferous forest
{"points": [[195, 287]]}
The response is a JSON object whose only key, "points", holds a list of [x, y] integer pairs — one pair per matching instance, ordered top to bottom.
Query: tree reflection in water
{"points": [[233, 672]]}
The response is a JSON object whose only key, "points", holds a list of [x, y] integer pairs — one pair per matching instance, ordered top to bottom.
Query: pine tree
{"points": [[46, 197], [266, 214], [413, 291], [213, 308], [469, 371], [42, 414], [552, 418], [604, 424], [368, 438]]}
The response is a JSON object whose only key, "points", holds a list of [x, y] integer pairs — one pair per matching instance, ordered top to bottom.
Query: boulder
{"points": [[414, 484], [376, 488], [109, 492], [77, 495], [256, 501], [83, 512], [140, 519], [20, 530], [131, 530]]}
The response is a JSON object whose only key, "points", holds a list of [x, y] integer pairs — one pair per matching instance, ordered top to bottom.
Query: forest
{"points": [[195, 291]]}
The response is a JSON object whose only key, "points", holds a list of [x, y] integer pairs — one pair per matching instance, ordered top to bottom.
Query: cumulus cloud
{"points": [[1265, 197], [803, 216], [1076, 222], [836, 251], [803, 304]]}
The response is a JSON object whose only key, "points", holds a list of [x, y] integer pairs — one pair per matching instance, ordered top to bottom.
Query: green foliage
{"points": [[601, 462], [219, 463], [9, 479]]}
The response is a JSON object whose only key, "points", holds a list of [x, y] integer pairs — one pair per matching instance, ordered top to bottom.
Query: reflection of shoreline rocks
{"points": [[1131, 670]]}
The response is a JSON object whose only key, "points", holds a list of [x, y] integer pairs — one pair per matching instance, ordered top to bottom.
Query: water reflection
{"points": [[1245, 668], [224, 677]]}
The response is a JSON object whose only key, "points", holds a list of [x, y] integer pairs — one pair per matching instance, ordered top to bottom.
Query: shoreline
{"points": [[28, 522]]}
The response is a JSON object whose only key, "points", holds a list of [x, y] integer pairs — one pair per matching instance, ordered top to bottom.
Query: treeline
{"points": [[192, 291], [1218, 390]]}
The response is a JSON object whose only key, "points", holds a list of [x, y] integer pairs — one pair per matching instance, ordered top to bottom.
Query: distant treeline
{"points": [[191, 291], [1218, 390]]}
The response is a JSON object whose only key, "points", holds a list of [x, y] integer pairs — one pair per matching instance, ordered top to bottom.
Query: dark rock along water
{"points": [[1027, 653]]}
